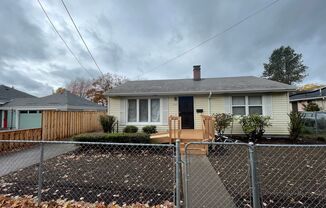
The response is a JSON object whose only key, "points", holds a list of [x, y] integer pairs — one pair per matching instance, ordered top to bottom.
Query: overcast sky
{"points": [[131, 37]]}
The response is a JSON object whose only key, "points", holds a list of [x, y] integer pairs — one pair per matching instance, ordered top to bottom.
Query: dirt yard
{"points": [[125, 175], [288, 177]]}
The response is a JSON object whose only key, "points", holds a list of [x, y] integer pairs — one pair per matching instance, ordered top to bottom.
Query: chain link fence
{"points": [[90, 172], [211, 174], [247, 175]]}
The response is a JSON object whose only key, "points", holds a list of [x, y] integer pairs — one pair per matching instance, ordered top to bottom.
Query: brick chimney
{"points": [[196, 71]]}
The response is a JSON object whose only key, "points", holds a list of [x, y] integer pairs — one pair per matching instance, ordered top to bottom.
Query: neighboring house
{"points": [[8, 94], [299, 99], [150, 102], [27, 111]]}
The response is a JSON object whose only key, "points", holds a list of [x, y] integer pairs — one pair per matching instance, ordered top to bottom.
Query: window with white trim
{"points": [[246, 105], [144, 110]]}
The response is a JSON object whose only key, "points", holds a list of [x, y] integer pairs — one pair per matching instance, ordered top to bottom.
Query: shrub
{"points": [[311, 107], [222, 121], [107, 123], [296, 125], [254, 126], [130, 129], [149, 129], [114, 137]]}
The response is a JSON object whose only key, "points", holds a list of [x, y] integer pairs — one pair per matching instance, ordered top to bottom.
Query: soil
{"points": [[124, 175], [288, 177]]}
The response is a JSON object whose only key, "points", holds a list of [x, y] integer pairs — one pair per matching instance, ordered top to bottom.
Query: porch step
{"points": [[193, 149]]}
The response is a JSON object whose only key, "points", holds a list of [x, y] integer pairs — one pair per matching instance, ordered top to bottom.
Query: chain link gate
{"points": [[217, 175]]}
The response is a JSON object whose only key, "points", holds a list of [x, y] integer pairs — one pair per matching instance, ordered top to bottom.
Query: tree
{"points": [[286, 66], [103, 84], [311, 86], [80, 87], [94, 89], [60, 90], [311, 107]]}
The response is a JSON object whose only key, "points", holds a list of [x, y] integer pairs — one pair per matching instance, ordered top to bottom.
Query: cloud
{"points": [[133, 37]]}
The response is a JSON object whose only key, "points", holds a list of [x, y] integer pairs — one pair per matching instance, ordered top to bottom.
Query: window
{"points": [[239, 105], [245, 105], [255, 105], [132, 110], [144, 110], [32, 111], [23, 112]]}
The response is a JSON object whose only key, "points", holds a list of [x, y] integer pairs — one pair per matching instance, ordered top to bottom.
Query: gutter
{"points": [[196, 92], [209, 102]]}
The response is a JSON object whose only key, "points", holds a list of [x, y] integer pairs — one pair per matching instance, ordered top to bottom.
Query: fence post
{"points": [[253, 174], [40, 175], [177, 176]]}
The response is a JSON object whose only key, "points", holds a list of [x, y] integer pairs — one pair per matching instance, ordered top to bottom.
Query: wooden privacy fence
{"points": [[57, 125], [23, 134]]}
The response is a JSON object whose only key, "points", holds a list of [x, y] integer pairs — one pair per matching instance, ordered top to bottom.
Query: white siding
{"points": [[200, 102], [280, 109]]}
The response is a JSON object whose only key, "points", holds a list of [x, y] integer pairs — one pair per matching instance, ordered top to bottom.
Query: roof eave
{"points": [[198, 92]]}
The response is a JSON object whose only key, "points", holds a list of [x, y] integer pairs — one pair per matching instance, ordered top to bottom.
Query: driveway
{"points": [[14, 161]]}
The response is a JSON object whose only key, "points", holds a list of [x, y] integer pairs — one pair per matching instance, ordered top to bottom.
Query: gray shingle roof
{"points": [[189, 86], [9, 93], [309, 95], [64, 101]]}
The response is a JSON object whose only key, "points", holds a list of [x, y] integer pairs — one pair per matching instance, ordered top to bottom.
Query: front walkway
{"points": [[14, 161], [205, 188]]}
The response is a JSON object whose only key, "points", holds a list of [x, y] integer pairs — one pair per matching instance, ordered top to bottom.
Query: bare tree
{"points": [[80, 87]]}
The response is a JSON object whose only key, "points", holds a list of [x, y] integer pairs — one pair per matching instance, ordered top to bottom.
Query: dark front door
{"points": [[186, 111], [5, 119]]}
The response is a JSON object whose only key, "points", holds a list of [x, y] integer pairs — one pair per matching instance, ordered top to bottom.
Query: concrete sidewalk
{"points": [[14, 161], [205, 188]]}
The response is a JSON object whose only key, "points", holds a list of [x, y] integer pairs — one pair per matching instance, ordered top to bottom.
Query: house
{"points": [[7, 94], [299, 99], [151, 102], [27, 111]]}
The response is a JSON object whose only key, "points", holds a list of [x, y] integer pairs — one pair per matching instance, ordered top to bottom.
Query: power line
{"points": [[214, 36], [81, 37], [69, 49]]}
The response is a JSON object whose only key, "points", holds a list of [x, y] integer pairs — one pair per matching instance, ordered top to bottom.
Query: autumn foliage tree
{"points": [[94, 89]]}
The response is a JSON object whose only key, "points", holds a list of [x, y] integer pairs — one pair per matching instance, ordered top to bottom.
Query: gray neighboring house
{"points": [[8, 94], [299, 99], [151, 102], [27, 111]]}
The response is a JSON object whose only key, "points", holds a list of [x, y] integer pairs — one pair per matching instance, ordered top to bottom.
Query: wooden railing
{"points": [[208, 123], [58, 125], [174, 127], [23, 134]]}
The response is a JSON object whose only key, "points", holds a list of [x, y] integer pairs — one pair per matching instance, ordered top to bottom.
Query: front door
{"points": [[186, 111], [5, 119]]}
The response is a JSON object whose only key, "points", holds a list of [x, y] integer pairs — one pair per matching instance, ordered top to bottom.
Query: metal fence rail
{"points": [[103, 172], [223, 175]]}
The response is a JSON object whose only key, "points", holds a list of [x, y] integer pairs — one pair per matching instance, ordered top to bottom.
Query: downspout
{"points": [[209, 102]]}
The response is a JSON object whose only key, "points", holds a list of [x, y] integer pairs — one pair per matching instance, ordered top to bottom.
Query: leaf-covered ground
{"points": [[124, 175], [288, 177], [30, 202]]}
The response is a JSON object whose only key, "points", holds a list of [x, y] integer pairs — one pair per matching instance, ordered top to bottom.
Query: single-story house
{"points": [[8, 94], [299, 99], [151, 102], [27, 111]]}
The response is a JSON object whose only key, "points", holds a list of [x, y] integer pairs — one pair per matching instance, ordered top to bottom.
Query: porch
{"points": [[175, 132]]}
